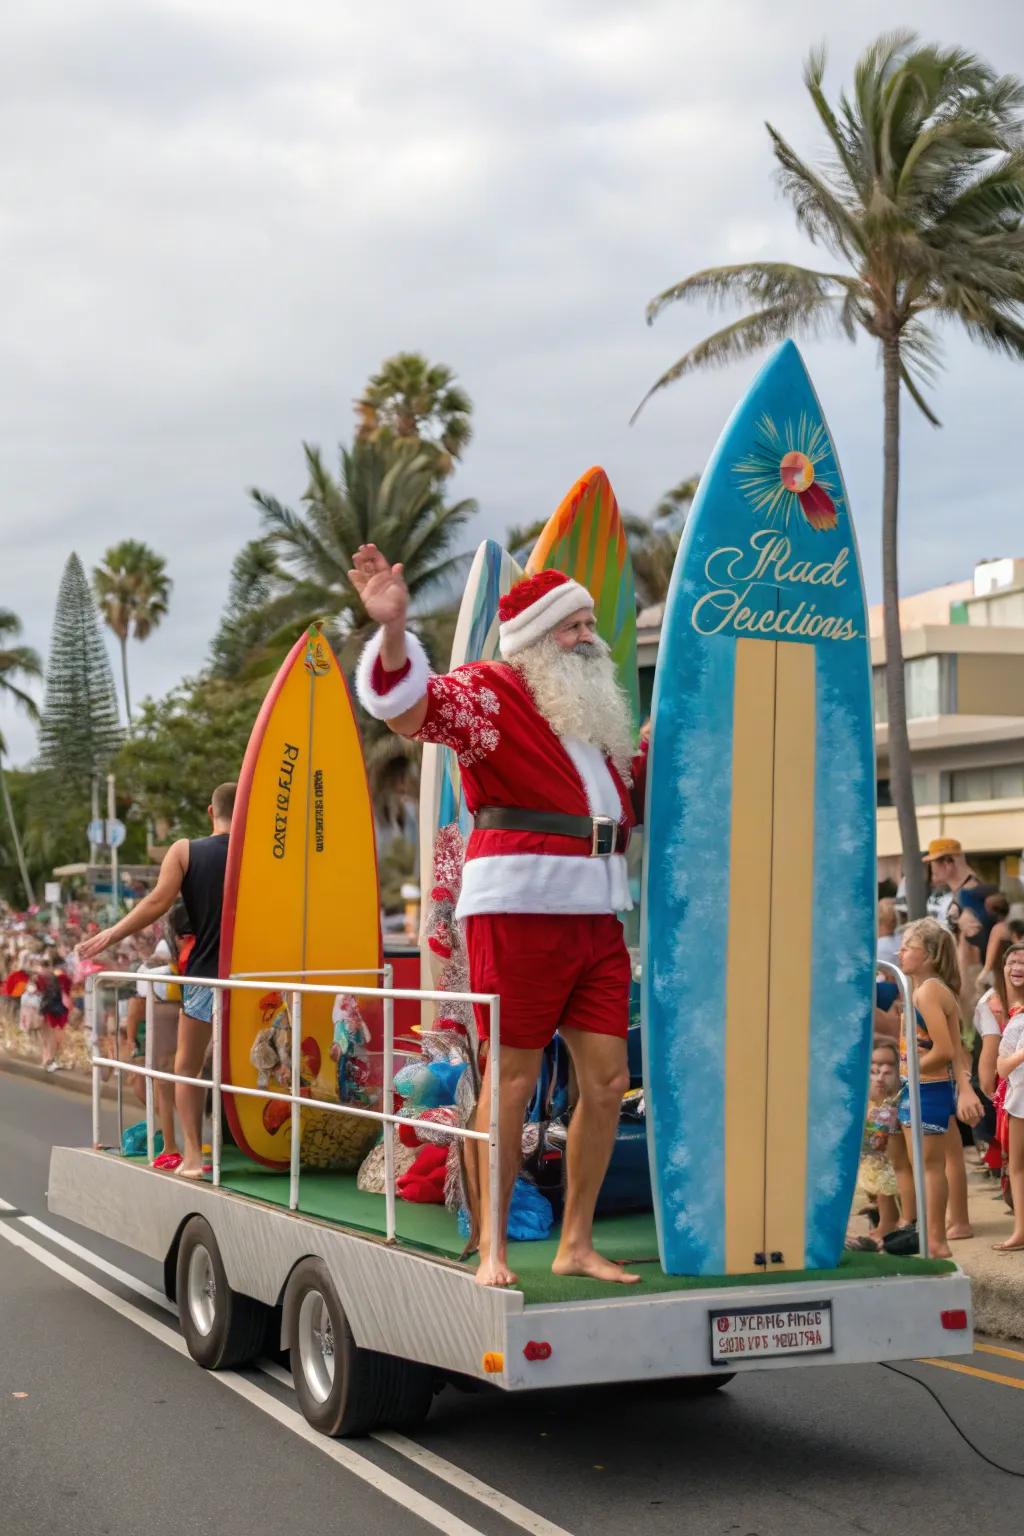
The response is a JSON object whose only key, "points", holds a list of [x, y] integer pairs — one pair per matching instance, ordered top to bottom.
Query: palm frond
{"points": [[843, 143], [821, 213], [765, 283], [748, 335], [910, 384]]}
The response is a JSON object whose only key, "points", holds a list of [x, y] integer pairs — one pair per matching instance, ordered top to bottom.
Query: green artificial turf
{"points": [[334, 1197]]}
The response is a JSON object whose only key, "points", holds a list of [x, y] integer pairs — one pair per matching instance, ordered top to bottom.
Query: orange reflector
{"points": [[954, 1320], [493, 1362]]}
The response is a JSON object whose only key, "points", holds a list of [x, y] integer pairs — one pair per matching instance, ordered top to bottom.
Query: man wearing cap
{"points": [[544, 740], [949, 871]]}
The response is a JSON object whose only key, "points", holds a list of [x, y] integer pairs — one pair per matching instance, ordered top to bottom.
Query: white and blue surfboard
{"points": [[758, 944]]}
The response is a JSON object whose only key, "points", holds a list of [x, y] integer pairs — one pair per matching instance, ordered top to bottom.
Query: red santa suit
{"points": [[539, 907]]}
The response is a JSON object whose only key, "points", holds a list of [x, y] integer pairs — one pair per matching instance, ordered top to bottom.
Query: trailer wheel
{"points": [[221, 1327], [342, 1389]]}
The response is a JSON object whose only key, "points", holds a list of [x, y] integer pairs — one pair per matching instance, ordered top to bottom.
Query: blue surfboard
{"points": [[759, 934]]}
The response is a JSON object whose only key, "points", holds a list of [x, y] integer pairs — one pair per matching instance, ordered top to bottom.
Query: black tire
{"points": [[221, 1327], [342, 1389]]}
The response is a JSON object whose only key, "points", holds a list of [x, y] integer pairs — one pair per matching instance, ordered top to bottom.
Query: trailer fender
{"points": [[171, 1259]]}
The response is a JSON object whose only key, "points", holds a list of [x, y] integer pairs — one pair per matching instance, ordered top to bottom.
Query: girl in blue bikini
{"points": [[928, 957]]}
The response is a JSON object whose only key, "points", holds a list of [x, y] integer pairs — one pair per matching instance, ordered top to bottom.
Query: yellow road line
{"points": [[996, 1349], [972, 1370]]}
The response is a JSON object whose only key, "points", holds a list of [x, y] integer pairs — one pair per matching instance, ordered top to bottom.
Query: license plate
{"points": [[755, 1333]]}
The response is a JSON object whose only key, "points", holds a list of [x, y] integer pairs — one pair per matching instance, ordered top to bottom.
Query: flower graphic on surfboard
{"points": [[788, 473]]}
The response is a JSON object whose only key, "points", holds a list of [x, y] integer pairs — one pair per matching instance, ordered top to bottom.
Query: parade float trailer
{"points": [[756, 966], [368, 1294]]}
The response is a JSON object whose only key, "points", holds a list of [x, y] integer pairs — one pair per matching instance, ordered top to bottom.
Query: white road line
{"points": [[81, 1252], [360, 1466], [447, 1471], [466, 1483], [473, 1487]]}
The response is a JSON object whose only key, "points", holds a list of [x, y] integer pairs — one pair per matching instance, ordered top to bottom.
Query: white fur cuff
{"points": [[404, 694]]}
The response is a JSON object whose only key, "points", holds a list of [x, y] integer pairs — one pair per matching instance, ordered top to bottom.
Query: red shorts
{"points": [[561, 972]]}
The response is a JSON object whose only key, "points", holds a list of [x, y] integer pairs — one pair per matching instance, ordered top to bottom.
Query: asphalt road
{"points": [[105, 1427]]}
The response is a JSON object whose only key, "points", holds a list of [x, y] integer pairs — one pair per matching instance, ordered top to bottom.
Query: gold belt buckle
{"points": [[605, 825]]}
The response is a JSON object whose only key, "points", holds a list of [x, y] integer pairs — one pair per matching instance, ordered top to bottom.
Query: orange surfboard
{"points": [[300, 895]]}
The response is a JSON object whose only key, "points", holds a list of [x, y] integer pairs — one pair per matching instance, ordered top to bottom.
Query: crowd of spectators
{"points": [[966, 964], [42, 985]]}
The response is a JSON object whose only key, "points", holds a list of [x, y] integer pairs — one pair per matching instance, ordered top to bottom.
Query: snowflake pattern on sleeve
{"points": [[461, 715]]}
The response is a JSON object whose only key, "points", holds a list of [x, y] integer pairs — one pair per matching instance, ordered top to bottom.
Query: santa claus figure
{"points": [[544, 740]]}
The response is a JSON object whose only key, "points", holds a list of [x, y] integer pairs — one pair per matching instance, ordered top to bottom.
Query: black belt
{"points": [[604, 835]]}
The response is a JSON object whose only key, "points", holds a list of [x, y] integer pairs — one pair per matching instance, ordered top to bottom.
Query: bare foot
{"points": [[190, 1171], [957, 1234], [1013, 1244], [939, 1251], [593, 1267], [494, 1272]]}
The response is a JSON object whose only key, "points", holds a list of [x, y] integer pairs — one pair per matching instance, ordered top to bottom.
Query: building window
{"points": [[930, 685], [1002, 782]]}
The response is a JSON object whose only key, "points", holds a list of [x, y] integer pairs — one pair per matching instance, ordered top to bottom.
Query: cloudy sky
{"points": [[218, 216]]}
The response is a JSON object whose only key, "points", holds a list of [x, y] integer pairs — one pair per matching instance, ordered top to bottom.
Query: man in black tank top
{"points": [[193, 869]]}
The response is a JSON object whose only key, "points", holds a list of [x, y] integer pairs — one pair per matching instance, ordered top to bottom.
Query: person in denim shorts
{"points": [[194, 870], [928, 957]]}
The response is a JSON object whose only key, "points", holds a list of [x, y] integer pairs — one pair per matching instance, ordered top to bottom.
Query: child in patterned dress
{"points": [[876, 1176]]}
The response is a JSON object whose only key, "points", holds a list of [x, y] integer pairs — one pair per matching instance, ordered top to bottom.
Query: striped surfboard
{"points": [[584, 537], [758, 940]]}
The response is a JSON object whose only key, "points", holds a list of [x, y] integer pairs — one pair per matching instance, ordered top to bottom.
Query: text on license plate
{"points": [[751, 1333]]}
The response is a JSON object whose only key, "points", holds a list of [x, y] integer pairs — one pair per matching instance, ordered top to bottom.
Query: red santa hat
{"points": [[535, 606]]}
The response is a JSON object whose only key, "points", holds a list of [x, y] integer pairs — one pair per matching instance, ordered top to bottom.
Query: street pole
{"points": [[111, 817]]}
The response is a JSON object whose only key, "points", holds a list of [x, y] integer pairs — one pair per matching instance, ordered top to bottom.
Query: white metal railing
{"points": [[914, 1088], [386, 1116]]}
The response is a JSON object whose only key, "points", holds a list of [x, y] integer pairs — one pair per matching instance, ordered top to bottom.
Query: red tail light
{"points": [[954, 1320], [536, 1349]]}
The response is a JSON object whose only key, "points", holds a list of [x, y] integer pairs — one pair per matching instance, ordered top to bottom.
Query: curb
{"points": [[77, 1082], [998, 1305]]}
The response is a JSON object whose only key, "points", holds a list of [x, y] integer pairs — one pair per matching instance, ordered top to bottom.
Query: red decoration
{"points": [[526, 592], [440, 942], [276, 1114], [423, 1180]]}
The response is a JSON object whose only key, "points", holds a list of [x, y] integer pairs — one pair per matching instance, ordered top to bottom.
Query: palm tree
{"points": [[922, 199], [412, 402], [381, 496], [132, 588], [18, 664]]}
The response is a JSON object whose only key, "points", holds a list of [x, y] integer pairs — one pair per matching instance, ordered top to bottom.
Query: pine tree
{"points": [[80, 729]]}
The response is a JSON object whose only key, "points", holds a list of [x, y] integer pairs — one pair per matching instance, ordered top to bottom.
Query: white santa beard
{"points": [[580, 696]]}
